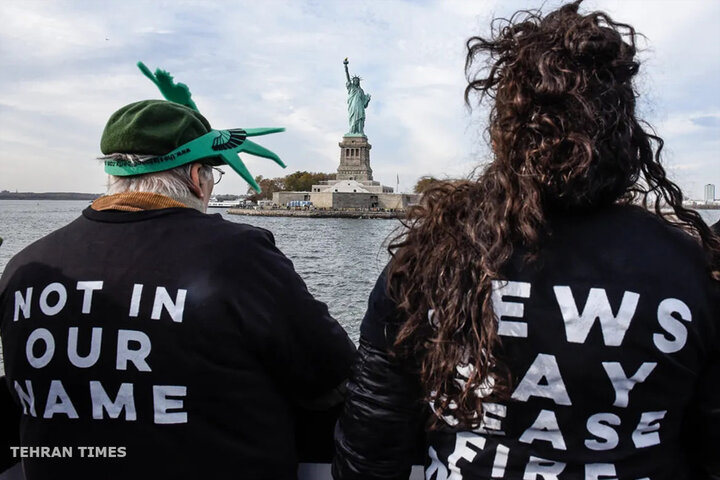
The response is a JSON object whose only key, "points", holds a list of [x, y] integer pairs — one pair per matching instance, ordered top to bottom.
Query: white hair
{"points": [[173, 183]]}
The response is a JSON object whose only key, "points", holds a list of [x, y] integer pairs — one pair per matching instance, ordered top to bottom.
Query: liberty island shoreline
{"points": [[315, 213]]}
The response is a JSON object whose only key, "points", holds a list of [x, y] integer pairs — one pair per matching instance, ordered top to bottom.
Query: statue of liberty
{"points": [[357, 102]]}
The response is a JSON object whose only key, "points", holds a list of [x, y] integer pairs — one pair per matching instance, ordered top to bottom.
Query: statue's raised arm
{"points": [[347, 74], [357, 102]]}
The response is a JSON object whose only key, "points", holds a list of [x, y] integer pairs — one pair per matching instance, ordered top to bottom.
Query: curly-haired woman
{"points": [[541, 321]]}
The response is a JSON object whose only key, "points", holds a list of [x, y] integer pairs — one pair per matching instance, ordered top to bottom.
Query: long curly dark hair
{"points": [[565, 137]]}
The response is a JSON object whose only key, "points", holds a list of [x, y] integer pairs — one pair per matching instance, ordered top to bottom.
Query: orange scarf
{"points": [[135, 202]]}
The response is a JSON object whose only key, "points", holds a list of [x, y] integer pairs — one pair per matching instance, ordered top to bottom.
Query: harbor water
{"points": [[338, 258]]}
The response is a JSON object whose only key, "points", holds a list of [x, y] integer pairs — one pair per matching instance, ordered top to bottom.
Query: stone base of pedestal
{"points": [[354, 159]]}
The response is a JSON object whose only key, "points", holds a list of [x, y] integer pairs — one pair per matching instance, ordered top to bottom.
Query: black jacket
{"points": [[186, 339], [613, 339]]}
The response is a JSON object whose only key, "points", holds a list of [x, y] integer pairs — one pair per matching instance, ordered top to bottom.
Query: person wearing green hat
{"points": [[135, 140], [150, 339]]}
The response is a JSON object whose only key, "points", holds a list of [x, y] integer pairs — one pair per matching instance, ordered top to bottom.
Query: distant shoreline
{"points": [[6, 195], [48, 196], [703, 207], [281, 212]]}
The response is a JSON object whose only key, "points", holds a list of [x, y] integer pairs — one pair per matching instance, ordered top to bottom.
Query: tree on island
{"points": [[303, 181], [295, 182], [268, 187], [225, 197]]}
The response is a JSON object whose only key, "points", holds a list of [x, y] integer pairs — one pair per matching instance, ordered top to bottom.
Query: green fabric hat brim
{"points": [[213, 148]]}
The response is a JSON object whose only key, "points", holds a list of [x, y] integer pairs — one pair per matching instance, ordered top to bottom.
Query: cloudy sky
{"points": [[67, 65]]}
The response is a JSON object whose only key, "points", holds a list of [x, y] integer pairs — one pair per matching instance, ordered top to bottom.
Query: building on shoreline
{"points": [[710, 193]]}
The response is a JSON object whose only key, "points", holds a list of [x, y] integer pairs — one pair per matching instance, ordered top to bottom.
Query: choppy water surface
{"points": [[339, 259]]}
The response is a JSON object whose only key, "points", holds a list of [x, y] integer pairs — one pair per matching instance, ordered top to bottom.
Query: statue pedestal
{"points": [[354, 159]]}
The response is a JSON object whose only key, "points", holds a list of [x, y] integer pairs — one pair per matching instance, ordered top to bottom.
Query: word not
{"points": [[53, 299]]}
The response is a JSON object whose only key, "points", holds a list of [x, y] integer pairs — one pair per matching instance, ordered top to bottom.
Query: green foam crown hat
{"points": [[177, 134]]}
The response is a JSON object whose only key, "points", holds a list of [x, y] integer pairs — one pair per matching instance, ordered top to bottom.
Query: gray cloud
{"points": [[67, 65], [712, 121]]}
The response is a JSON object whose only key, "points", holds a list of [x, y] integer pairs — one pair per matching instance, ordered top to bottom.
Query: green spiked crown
{"points": [[176, 134]]}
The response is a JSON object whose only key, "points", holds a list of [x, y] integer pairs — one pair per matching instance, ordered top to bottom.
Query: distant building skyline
{"points": [[709, 193]]}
